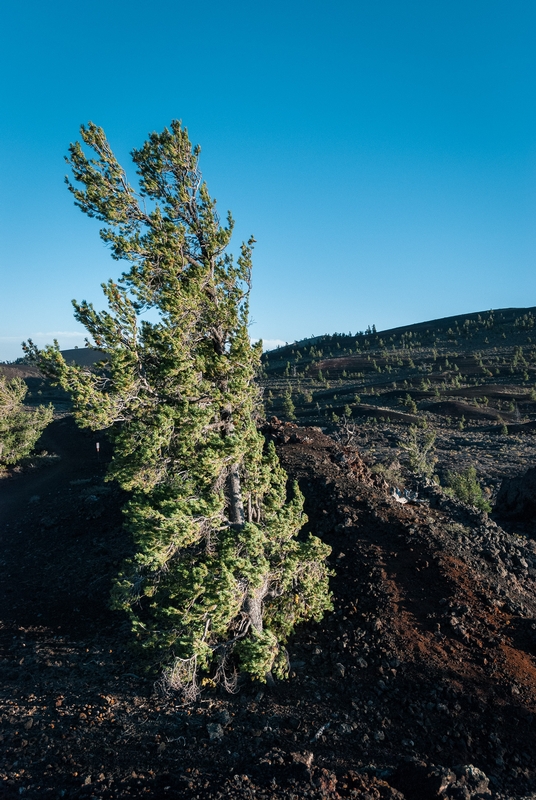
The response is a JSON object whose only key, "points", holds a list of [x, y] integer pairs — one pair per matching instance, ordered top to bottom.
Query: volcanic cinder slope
{"points": [[420, 684]]}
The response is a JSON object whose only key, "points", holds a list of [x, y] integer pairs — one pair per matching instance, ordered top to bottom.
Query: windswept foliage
{"points": [[220, 576]]}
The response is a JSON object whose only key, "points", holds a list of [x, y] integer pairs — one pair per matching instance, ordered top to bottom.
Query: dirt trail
{"points": [[76, 452], [47, 519]]}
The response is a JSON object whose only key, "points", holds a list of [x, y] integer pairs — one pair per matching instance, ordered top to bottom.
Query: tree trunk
{"points": [[236, 505], [254, 597], [253, 606]]}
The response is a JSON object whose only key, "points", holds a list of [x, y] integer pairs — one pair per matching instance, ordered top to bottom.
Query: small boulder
{"points": [[339, 671], [223, 717], [215, 731], [472, 780]]}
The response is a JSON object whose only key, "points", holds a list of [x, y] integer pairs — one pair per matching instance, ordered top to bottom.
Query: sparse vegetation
{"points": [[438, 589]]}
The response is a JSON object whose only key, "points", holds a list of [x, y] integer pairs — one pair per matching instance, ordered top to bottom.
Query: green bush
{"points": [[410, 404], [20, 427], [420, 448], [465, 486]]}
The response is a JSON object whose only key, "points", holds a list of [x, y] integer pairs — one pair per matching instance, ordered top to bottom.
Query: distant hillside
{"points": [[469, 329], [84, 356], [324, 374], [471, 379], [40, 390]]}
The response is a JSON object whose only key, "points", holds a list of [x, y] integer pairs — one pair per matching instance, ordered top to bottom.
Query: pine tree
{"points": [[288, 406], [20, 427], [220, 577]]}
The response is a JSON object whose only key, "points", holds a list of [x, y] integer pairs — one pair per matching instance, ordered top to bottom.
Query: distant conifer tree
{"points": [[288, 406], [220, 577]]}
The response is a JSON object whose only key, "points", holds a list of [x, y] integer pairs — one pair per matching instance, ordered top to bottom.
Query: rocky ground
{"points": [[470, 379], [494, 455], [420, 684]]}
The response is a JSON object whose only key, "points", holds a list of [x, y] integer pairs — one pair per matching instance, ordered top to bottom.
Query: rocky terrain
{"points": [[471, 379], [420, 684]]}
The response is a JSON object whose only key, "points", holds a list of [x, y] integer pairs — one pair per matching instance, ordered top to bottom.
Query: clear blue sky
{"points": [[382, 153]]}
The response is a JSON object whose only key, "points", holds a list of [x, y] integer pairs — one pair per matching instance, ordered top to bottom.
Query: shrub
{"points": [[410, 404], [20, 427], [420, 447], [465, 486]]}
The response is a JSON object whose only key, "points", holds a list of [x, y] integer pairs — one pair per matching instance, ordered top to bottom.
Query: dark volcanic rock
{"points": [[517, 496]]}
